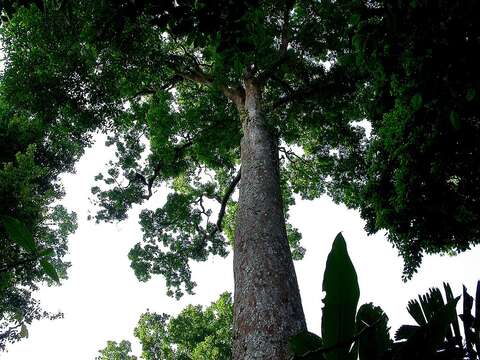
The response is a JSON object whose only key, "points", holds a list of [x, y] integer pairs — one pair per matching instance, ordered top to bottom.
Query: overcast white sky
{"points": [[102, 299]]}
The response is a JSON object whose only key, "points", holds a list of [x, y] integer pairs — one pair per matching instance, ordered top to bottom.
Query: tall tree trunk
{"points": [[267, 307]]}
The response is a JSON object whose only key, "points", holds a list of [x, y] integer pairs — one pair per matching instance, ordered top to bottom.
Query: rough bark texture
{"points": [[267, 307]]}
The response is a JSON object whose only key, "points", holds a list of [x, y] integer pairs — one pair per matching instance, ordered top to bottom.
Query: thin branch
{"points": [[284, 41], [156, 171], [218, 226], [7, 333]]}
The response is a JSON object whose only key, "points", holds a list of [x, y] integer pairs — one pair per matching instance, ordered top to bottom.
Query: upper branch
{"points": [[284, 41], [195, 73], [158, 167], [223, 206]]}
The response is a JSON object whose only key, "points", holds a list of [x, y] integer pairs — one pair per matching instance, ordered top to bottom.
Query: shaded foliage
{"points": [[161, 82], [421, 97], [423, 163], [33, 229]]}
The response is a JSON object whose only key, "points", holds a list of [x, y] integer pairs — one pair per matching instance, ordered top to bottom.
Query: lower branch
{"points": [[226, 197]]}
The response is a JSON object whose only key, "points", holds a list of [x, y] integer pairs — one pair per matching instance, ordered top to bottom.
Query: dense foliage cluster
{"points": [[112, 65], [424, 105], [33, 226], [195, 333]]}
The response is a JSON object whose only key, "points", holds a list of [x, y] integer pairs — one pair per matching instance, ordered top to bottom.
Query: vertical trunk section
{"points": [[267, 307]]}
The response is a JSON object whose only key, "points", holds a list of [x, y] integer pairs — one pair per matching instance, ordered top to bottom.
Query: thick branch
{"points": [[236, 95], [225, 199]]}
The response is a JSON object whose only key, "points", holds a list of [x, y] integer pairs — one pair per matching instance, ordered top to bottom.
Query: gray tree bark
{"points": [[267, 304]]}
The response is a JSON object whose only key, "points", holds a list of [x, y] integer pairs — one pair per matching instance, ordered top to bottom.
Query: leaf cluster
{"points": [[195, 333]]}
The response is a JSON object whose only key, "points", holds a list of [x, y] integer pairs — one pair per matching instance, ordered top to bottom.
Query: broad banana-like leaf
{"points": [[342, 292], [468, 319], [372, 324], [456, 327], [425, 340], [305, 346]]}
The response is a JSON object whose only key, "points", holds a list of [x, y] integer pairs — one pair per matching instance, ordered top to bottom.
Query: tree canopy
{"points": [[112, 61], [185, 90], [423, 163], [33, 226], [195, 333]]}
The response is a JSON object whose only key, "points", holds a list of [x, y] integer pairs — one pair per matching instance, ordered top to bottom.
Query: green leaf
{"points": [[355, 19], [357, 42], [470, 94], [416, 102], [455, 120], [18, 233], [46, 253], [49, 269], [5, 280], [342, 293], [24, 331], [425, 340], [375, 341], [304, 342]]}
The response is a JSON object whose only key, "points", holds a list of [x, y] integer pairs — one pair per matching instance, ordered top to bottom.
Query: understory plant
{"points": [[350, 334]]}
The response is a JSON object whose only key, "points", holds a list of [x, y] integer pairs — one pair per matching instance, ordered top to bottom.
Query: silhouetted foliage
{"points": [[438, 334]]}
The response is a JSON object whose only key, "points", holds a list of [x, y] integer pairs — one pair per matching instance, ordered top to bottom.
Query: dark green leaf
{"points": [[355, 19], [470, 94], [416, 102], [455, 120], [18, 233], [46, 253], [49, 269], [341, 299], [415, 310], [468, 320], [476, 322], [455, 325], [23, 331], [405, 332], [375, 341], [304, 342], [422, 342]]}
